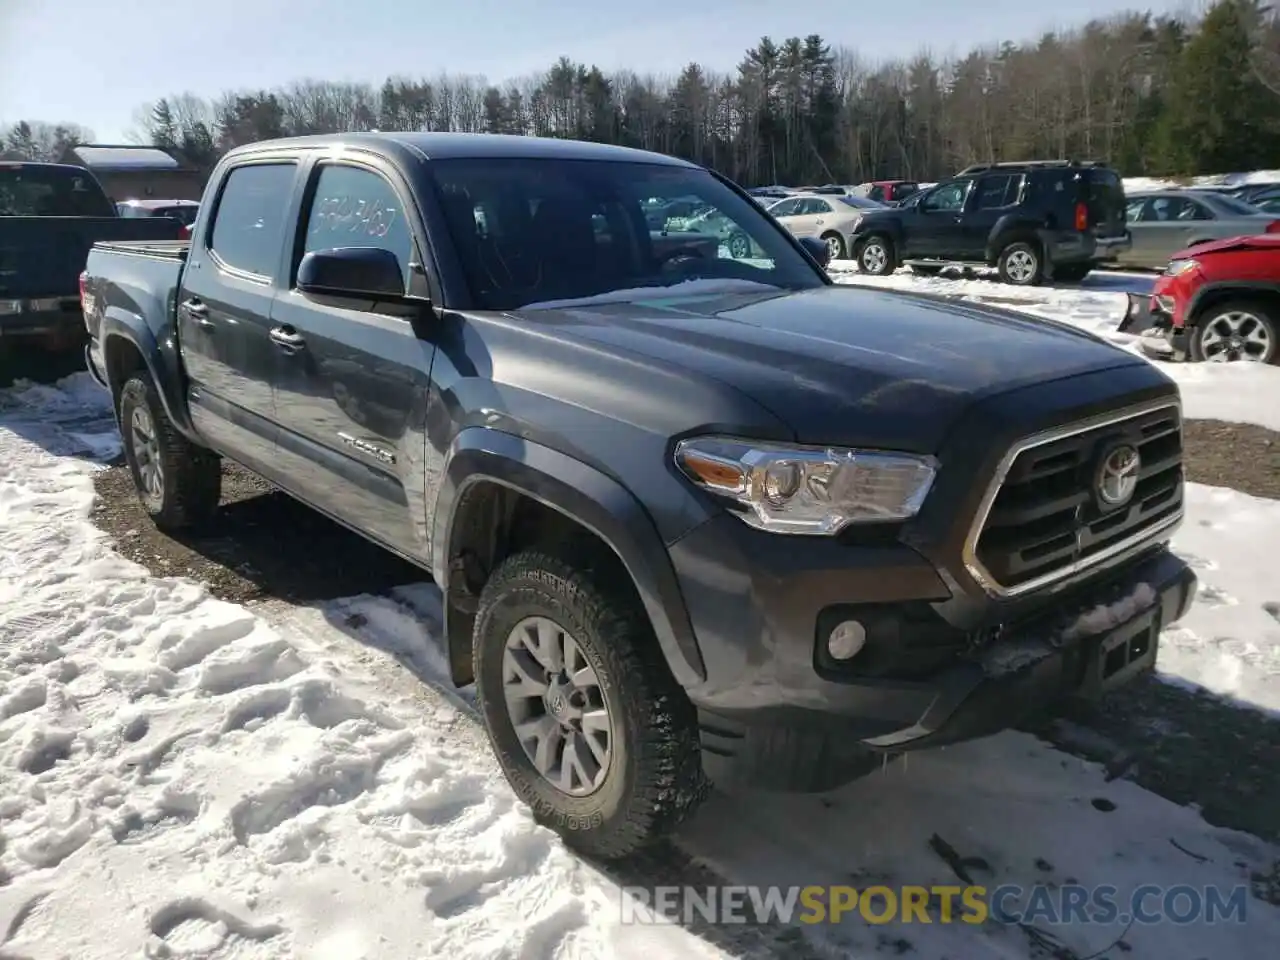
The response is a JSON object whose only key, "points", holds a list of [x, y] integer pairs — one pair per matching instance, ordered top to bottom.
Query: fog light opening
{"points": [[847, 640]]}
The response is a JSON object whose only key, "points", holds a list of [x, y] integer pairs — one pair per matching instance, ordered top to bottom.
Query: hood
{"points": [[1260, 241], [840, 364]]}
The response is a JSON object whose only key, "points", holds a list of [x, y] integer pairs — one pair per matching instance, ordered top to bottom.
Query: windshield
{"points": [[36, 190], [531, 231]]}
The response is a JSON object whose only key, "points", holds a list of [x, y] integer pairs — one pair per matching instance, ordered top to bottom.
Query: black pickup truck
{"points": [[50, 214], [1050, 219], [694, 517]]}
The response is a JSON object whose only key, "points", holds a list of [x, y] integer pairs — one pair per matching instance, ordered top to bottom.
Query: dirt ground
{"points": [[1189, 747]]}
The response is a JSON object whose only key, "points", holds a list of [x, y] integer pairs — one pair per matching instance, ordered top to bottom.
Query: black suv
{"points": [[1033, 221], [693, 516]]}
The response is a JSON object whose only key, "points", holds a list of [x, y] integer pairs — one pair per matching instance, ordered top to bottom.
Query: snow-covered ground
{"points": [[1212, 180], [182, 777]]}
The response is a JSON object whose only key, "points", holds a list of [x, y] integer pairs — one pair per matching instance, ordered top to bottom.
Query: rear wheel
{"points": [[835, 245], [739, 246], [876, 257], [1020, 264], [1238, 330], [178, 482], [586, 720]]}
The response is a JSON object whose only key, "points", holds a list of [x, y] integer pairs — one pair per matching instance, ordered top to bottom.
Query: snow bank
{"points": [[179, 778]]}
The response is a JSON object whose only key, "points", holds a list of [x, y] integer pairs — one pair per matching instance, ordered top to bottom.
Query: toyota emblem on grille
{"points": [[1117, 475]]}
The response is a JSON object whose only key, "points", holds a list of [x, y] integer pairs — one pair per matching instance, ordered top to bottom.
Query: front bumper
{"points": [[1149, 318], [776, 713]]}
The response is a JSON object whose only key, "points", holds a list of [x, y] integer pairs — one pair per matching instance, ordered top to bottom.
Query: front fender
{"points": [[1221, 289], [161, 361], [590, 498]]}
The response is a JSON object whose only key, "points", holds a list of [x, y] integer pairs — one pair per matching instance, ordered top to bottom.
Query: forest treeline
{"points": [[1153, 95]]}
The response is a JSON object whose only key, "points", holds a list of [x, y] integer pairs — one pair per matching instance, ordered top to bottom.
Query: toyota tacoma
{"points": [[695, 518]]}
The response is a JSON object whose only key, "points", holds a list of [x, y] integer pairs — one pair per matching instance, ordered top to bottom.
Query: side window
{"points": [[993, 192], [876, 193], [947, 198], [821, 206], [355, 207], [787, 208], [1195, 211], [1133, 212], [248, 226]]}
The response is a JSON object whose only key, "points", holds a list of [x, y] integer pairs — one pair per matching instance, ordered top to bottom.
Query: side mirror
{"points": [[817, 249], [369, 273]]}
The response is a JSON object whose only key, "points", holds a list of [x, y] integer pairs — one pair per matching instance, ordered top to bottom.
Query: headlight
{"points": [[1176, 267], [808, 490]]}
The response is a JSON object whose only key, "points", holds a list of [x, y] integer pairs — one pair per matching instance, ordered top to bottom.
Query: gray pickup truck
{"points": [[696, 517]]}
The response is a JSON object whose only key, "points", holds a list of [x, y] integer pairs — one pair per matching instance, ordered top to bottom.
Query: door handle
{"points": [[198, 312], [287, 337]]}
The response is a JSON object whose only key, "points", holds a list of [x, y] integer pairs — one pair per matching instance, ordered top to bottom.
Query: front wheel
{"points": [[835, 245], [875, 256], [1020, 264], [1238, 330], [178, 483], [589, 726]]}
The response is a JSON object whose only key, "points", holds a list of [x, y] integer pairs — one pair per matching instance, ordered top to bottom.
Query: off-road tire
{"points": [[1017, 249], [880, 269], [1072, 272], [1264, 313], [192, 475], [655, 778]]}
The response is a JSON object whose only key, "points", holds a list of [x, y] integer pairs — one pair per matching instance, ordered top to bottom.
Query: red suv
{"points": [[1216, 301]]}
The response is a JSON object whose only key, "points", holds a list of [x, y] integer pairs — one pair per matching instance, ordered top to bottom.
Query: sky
{"points": [[95, 63]]}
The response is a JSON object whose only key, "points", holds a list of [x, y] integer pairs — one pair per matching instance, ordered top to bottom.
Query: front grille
{"points": [[1046, 521]]}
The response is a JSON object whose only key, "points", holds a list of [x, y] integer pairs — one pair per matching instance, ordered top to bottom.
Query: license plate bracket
{"points": [[1120, 656]]}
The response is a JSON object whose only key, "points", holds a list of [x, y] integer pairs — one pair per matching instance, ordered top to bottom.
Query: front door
{"points": [[933, 227], [224, 311], [351, 391]]}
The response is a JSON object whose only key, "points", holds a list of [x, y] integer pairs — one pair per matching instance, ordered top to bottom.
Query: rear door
{"points": [[994, 195], [1103, 196], [224, 311], [352, 384]]}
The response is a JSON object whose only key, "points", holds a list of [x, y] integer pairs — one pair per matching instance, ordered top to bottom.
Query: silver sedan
{"points": [[829, 218], [1165, 221]]}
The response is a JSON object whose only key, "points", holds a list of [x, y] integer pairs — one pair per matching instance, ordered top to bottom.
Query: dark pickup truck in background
{"points": [[50, 214], [1050, 219], [694, 518]]}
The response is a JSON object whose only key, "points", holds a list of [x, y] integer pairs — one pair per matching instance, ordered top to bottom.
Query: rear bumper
{"points": [[1072, 247], [57, 321]]}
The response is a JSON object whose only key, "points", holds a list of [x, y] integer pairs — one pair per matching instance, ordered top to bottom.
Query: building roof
{"points": [[105, 158]]}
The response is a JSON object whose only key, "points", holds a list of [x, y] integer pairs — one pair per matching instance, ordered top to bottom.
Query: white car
{"points": [[829, 218]]}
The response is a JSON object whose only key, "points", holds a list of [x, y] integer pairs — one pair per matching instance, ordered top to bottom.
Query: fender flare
{"points": [[1244, 288], [160, 360], [587, 496]]}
